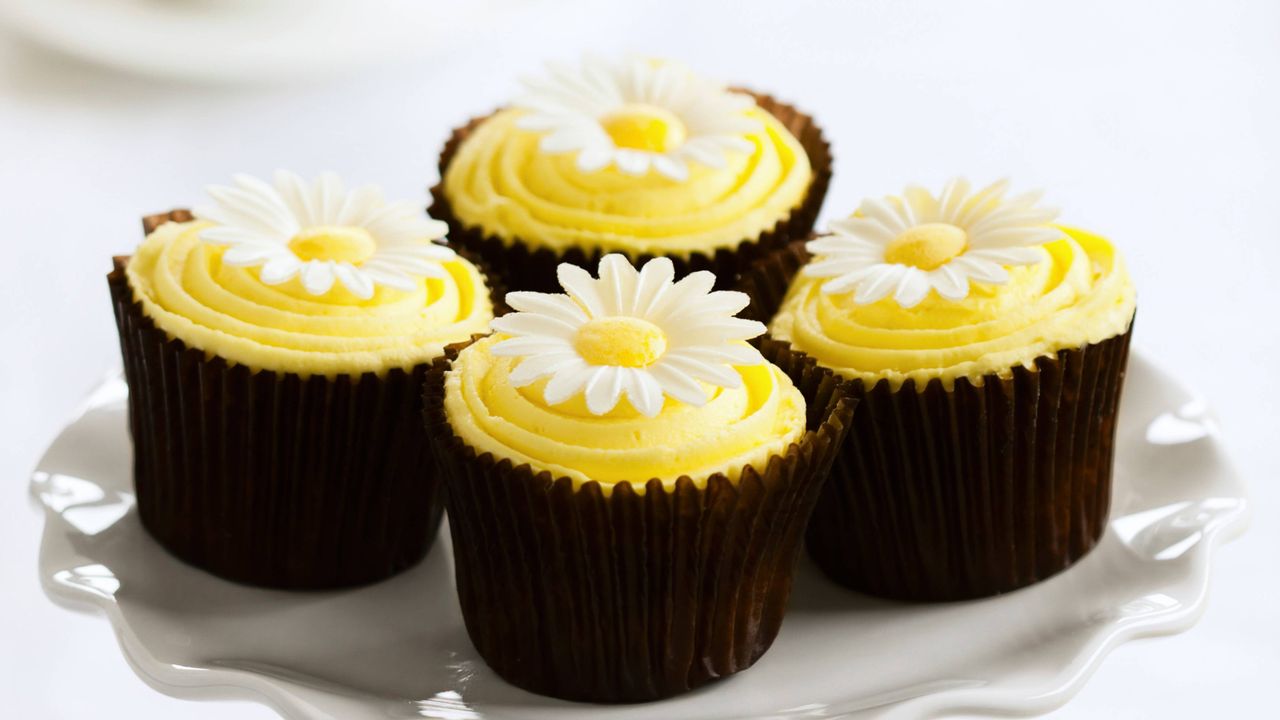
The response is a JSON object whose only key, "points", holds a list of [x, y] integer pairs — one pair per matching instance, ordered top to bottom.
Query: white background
{"points": [[1157, 124]]}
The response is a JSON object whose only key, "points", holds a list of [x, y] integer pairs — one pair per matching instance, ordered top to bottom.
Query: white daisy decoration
{"points": [[636, 114], [324, 234], [910, 245], [637, 334]]}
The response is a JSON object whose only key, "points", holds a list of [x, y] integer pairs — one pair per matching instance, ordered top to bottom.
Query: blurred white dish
{"points": [[247, 40], [398, 649]]}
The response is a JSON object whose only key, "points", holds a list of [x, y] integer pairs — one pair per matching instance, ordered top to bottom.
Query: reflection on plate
{"points": [[398, 649]]}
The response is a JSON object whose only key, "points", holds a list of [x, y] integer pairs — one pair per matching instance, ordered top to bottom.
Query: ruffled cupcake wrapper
{"points": [[523, 266], [269, 478], [969, 492], [631, 596]]}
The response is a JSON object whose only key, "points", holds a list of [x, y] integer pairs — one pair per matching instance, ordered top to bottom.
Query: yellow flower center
{"points": [[644, 127], [339, 244], [928, 246], [620, 341]]}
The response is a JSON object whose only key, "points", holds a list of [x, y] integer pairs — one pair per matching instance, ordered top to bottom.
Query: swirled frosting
{"points": [[500, 181], [189, 293], [1079, 294], [737, 427]]}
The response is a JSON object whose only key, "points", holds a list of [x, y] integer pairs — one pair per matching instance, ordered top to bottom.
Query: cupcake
{"points": [[637, 157], [275, 346], [987, 349], [628, 482]]}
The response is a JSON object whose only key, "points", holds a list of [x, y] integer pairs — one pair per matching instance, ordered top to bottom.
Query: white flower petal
{"points": [[536, 121], [566, 139], [738, 144], [705, 153], [594, 158], [632, 162], [671, 167], [297, 197], [953, 197], [327, 198], [983, 201], [921, 204], [359, 206], [248, 210], [885, 214], [1006, 217], [854, 232], [230, 235], [1014, 237], [428, 251], [248, 255], [1010, 255], [407, 264], [840, 265], [280, 269], [980, 270], [317, 277], [390, 277], [655, 279], [618, 280], [851, 280], [950, 282], [360, 284], [878, 284], [581, 287], [912, 287], [685, 291], [722, 302], [560, 307], [523, 324], [703, 331], [522, 346], [731, 354], [534, 367], [721, 375], [565, 383], [677, 384], [603, 390], [644, 393]]}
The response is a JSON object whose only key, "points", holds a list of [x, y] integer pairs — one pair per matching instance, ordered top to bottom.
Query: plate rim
{"points": [[292, 699]]}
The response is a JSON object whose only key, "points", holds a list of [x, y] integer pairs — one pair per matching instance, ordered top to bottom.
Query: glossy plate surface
{"points": [[398, 649]]}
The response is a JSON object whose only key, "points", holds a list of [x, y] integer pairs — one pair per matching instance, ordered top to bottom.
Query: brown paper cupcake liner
{"points": [[526, 267], [269, 478], [989, 487], [631, 597]]}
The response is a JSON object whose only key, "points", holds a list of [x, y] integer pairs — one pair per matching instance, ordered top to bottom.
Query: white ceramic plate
{"points": [[250, 40], [398, 649]]}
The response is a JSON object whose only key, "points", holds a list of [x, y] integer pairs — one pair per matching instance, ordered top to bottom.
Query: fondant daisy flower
{"points": [[636, 114], [324, 233], [907, 246], [628, 333]]}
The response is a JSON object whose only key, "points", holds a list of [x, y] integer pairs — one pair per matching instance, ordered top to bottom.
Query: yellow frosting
{"points": [[502, 183], [187, 290], [1080, 294], [736, 428]]}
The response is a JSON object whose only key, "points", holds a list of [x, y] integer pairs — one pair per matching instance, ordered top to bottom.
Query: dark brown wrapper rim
{"points": [[523, 266], [273, 479], [970, 492], [630, 597]]}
